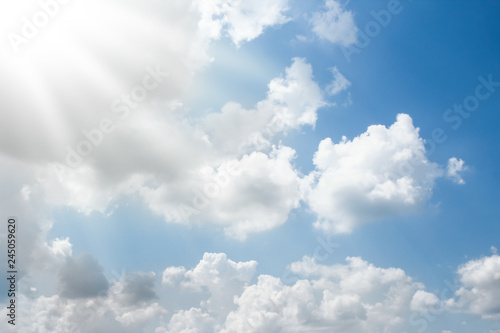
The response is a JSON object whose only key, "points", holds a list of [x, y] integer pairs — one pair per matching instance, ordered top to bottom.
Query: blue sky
{"points": [[321, 139]]}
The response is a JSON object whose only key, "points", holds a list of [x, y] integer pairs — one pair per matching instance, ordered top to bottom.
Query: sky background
{"points": [[346, 211]]}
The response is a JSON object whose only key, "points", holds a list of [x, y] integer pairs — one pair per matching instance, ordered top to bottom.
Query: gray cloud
{"points": [[82, 277], [138, 287]]}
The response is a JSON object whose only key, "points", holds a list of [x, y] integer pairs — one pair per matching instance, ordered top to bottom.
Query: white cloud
{"points": [[247, 19], [243, 20], [335, 24], [301, 38], [339, 82], [296, 97], [292, 102], [241, 125], [164, 158], [454, 170], [380, 174], [265, 188], [257, 194], [260, 196], [61, 247], [172, 275], [223, 279], [480, 292], [352, 297], [355, 297], [424, 301], [140, 315], [193, 320]]}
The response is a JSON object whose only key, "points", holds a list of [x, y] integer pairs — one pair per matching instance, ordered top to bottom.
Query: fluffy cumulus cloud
{"points": [[243, 20], [335, 24], [296, 97], [292, 101], [380, 174], [244, 184], [254, 193], [61, 247], [172, 275], [220, 276], [480, 288], [355, 296], [352, 297], [424, 302], [193, 320]]}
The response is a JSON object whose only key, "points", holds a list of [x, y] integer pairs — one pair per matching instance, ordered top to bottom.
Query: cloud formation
{"points": [[243, 20], [335, 24], [339, 82], [455, 169], [379, 174], [244, 184], [82, 277], [480, 292], [352, 297]]}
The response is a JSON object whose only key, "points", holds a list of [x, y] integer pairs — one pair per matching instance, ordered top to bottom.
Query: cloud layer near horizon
{"points": [[222, 295]]}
